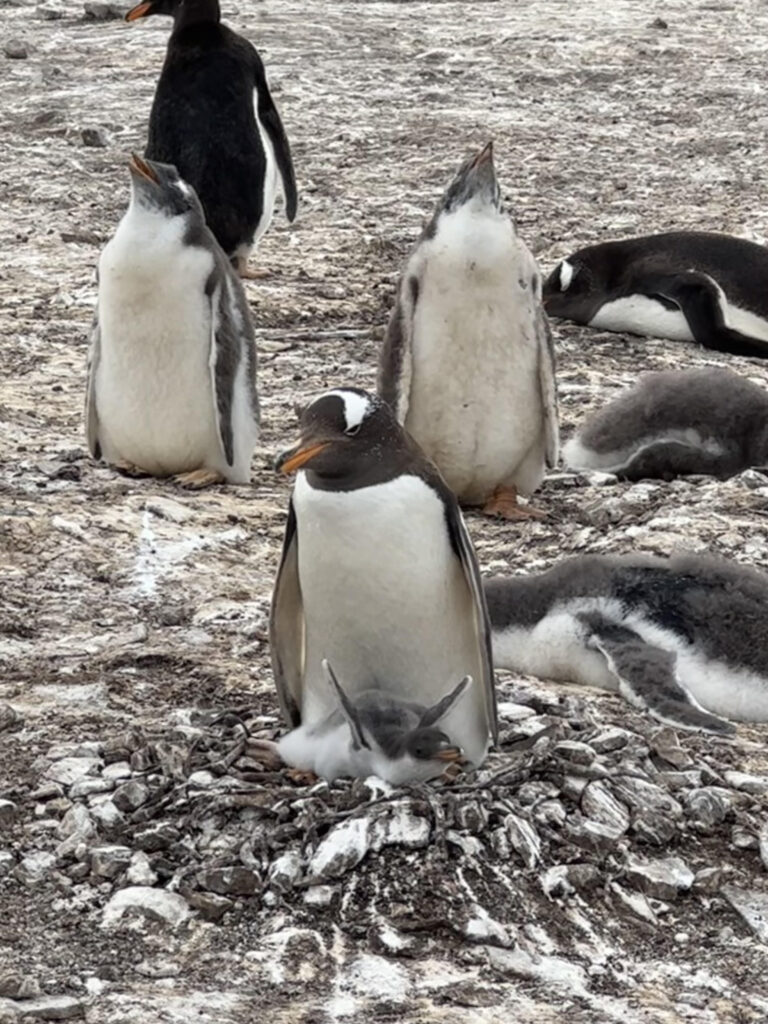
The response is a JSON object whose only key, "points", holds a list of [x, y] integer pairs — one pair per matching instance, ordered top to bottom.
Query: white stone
{"points": [[156, 904]]}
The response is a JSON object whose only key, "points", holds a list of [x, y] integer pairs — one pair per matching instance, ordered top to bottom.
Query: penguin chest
{"points": [[154, 395], [475, 404], [384, 596]]}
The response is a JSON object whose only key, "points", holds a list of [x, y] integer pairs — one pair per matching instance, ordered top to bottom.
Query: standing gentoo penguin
{"points": [[214, 119], [683, 285], [468, 363], [172, 365], [675, 423], [377, 575], [672, 635], [375, 734]]}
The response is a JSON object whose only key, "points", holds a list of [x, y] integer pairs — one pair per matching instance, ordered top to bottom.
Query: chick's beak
{"points": [[139, 11], [485, 155], [142, 168], [294, 458], [451, 754]]}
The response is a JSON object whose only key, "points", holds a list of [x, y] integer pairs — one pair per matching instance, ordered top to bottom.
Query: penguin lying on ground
{"points": [[213, 117], [683, 285], [172, 363], [468, 363], [674, 423], [378, 576], [685, 638], [375, 734]]}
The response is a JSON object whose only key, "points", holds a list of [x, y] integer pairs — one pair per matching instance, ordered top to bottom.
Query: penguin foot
{"points": [[244, 271], [130, 469], [196, 479], [503, 503], [267, 752], [302, 777]]}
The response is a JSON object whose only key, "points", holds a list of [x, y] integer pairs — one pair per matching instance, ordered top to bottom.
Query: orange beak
{"points": [[139, 11], [142, 167], [295, 458], [451, 754]]}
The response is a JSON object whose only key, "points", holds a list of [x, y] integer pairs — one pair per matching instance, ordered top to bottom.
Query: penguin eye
{"points": [[351, 431]]}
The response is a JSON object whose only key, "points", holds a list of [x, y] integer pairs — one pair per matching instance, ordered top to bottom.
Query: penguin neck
{"points": [[197, 12]]}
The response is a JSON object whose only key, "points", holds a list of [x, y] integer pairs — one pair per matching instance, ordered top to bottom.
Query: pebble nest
{"points": [[599, 867]]}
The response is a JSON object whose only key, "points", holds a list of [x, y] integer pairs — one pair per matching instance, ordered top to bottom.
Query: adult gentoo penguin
{"points": [[213, 117], [683, 285], [468, 363], [172, 365], [674, 423], [378, 576], [685, 637], [377, 733]]}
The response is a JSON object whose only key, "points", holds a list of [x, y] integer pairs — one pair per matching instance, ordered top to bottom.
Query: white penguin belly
{"points": [[639, 314], [154, 394], [475, 401], [578, 455], [385, 599]]}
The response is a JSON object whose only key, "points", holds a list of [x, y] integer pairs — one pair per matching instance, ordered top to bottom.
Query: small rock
{"points": [[98, 10], [50, 13], [659, 23], [16, 49], [96, 138], [9, 717], [609, 739], [666, 744], [573, 750], [72, 769], [117, 770], [202, 779], [757, 784], [87, 787], [48, 791], [130, 796], [645, 797], [599, 804], [707, 807], [8, 810], [550, 813], [106, 814], [77, 821], [656, 829], [590, 835], [156, 837], [743, 838], [524, 839], [763, 845], [342, 849], [109, 861], [7, 862], [35, 868], [140, 871], [285, 871], [563, 879], [664, 879], [709, 879], [231, 881], [635, 902], [156, 904], [211, 906], [752, 906], [14, 985], [51, 1008]]}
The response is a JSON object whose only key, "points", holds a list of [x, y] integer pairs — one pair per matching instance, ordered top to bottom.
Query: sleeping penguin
{"points": [[214, 119], [684, 638]]}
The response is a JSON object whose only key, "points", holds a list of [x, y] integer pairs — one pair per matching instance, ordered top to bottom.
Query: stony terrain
{"points": [[598, 868]]}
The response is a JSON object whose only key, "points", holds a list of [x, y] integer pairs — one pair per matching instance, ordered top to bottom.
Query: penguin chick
{"points": [[214, 118], [467, 362], [172, 365], [674, 423], [377, 575], [685, 637], [376, 733]]}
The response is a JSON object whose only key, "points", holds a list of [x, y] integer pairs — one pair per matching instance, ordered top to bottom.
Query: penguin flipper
{"points": [[273, 126], [701, 301], [396, 356], [548, 387], [91, 415], [667, 459], [286, 627], [483, 677], [647, 677]]}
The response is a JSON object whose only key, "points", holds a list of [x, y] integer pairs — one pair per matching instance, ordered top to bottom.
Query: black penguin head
{"points": [[180, 10], [159, 188], [571, 290], [345, 433], [432, 744]]}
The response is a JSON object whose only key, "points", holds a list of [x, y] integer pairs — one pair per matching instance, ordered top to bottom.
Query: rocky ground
{"points": [[598, 868]]}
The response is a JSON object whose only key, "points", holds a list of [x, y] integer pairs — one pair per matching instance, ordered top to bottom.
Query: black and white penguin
{"points": [[214, 119], [684, 285], [468, 363], [172, 365], [674, 423], [378, 576], [685, 637], [376, 733]]}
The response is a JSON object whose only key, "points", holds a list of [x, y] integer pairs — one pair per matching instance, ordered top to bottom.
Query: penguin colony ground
{"points": [[467, 372]]}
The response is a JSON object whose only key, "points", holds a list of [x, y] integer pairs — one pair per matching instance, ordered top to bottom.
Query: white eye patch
{"points": [[566, 275], [356, 407]]}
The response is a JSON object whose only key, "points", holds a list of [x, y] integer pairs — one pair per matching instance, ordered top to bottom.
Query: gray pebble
{"points": [[16, 49]]}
